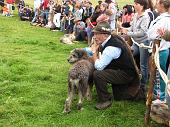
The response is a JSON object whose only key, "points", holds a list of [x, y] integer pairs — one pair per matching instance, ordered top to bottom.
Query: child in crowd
{"points": [[5, 10], [69, 23]]}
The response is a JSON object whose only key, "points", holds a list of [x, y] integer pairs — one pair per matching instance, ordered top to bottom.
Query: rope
{"points": [[141, 45], [156, 59], [162, 73]]}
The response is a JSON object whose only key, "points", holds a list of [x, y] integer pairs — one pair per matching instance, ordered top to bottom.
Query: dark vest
{"points": [[125, 61]]}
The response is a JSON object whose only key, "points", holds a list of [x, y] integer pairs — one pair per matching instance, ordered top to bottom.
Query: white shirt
{"points": [[37, 3], [162, 21], [108, 54]]}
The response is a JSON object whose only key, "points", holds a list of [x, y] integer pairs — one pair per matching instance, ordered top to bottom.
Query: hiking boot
{"points": [[103, 105]]}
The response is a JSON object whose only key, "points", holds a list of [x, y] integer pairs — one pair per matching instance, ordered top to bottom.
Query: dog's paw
{"points": [[79, 106], [66, 111]]}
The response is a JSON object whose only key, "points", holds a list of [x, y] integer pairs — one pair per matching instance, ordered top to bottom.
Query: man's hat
{"points": [[103, 28]]}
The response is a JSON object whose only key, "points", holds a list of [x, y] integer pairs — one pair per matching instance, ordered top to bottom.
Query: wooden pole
{"points": [[151, 83]]}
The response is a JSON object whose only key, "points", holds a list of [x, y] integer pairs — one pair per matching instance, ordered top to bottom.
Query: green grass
{"points": [[33, 83]]}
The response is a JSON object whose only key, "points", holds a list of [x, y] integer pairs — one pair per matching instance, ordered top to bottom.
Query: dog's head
{"points": [[72, 37], [65, 40], [76, 55]]}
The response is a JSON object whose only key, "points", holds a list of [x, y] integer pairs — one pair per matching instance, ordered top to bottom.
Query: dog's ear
{"points": [[82, 54]]}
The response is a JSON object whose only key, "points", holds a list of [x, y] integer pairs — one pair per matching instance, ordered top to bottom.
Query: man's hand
{"points": [[95, 48]]}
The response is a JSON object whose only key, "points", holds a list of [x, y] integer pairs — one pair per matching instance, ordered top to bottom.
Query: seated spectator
{"points": [[26, 14], [127, 16], [79, 30]]}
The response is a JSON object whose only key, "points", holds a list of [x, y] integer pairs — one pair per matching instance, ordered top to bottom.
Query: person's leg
{"points": [[8, 6], [46, 15], [35, 16], [56, 20], [135, 49], [163, 60], [144, 63], [114, 77]]}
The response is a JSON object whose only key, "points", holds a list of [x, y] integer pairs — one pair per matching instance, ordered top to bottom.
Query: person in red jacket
{"points": [[10, 5], [45, 8]]}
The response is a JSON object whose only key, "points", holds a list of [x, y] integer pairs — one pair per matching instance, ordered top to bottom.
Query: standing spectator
{"points": [[10, 4], [37, 4], [112, 7], [5, 10], [45, 10], [88, 11], [77, 14], [57, 16], [162, 21], [138, 31]]}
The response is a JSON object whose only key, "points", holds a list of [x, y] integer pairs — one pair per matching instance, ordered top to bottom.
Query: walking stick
{"points": [[151, 83]]}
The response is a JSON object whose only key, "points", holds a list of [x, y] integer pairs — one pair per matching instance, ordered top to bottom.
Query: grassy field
{"points": [[33, 83]]}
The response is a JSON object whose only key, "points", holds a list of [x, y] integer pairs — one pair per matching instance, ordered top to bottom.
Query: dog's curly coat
{"points": [[79, 78]]}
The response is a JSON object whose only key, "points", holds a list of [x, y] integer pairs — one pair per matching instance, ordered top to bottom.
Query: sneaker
{"points": [[103, 105]]}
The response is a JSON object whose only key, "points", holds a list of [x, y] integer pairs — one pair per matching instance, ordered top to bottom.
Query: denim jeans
{"points": [[45, 15], [35, 16], [144, 60]]}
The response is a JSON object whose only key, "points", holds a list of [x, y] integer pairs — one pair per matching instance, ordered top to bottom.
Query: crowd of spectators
{"points": [[76, 17]]}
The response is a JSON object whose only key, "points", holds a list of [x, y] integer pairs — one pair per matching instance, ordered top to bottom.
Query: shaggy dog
{"points": [[67, 39], [79, 78], [160, 114]]}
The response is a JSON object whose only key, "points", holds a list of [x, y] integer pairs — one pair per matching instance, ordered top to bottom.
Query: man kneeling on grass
{"points": [[115, 66]]}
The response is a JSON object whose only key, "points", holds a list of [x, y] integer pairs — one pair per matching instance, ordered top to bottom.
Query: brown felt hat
{"points": [[103, 28]]}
